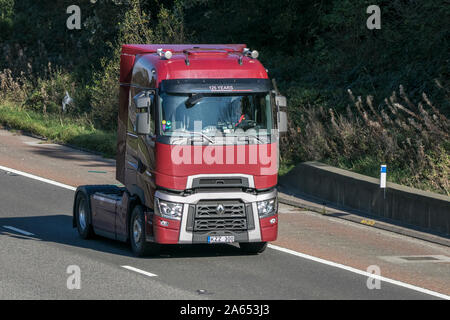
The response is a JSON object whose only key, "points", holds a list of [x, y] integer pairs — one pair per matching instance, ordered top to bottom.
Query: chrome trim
{"points": [[190, 179], [196, 197], [255, 234], [185, 236]]}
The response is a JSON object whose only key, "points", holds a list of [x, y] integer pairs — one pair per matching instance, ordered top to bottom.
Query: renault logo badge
{"points": [[220, 209]]}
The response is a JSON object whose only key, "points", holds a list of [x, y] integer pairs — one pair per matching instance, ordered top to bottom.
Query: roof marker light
{"points": [[253, 54], [168, 55]]}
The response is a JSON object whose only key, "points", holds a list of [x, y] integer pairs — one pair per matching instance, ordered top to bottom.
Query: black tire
{"points": [[82, 216], [138, 243], [253, 247]]}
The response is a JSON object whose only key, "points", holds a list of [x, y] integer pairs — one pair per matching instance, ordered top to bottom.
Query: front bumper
{"points": [[168, 231]]}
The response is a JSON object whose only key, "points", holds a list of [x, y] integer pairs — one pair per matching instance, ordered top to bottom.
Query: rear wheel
{"points": [[82, 217], [139, 245], [253, 247]]}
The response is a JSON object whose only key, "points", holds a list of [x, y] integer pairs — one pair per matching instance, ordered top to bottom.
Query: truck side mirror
{"points": [[143, 100], [281, 104], [143, 123]]}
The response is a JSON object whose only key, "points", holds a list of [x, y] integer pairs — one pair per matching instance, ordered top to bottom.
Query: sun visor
{"points": [[215, 85]]}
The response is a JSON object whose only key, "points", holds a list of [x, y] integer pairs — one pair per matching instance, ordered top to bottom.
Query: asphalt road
{"points": [[35, 266]]}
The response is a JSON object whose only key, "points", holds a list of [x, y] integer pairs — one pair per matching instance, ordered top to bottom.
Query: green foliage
{"points": [[6, 18], [137, 27], [170, 27], [91, 78], [13, 88], [47, 94]]}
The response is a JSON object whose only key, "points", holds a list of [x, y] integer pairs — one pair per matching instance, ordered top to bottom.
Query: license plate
{"points": [[220, 239]]}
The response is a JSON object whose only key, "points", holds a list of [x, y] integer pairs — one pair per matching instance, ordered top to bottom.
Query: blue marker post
{"points": [[383, 172]]}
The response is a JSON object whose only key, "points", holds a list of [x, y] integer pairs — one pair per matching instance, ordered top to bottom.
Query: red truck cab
{"points": [[197, 151]]}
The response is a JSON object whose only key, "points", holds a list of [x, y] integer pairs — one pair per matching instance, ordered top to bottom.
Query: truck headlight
{"points": [[267, 208], [169, 210]]}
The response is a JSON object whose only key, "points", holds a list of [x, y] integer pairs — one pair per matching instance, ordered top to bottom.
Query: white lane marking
{"points": [[32, 176], [19, 230], [295, 253], [140, 271], [364, 273]]}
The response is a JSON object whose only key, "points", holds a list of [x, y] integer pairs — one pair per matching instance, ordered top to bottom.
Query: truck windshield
{"points": [[213, 113]]}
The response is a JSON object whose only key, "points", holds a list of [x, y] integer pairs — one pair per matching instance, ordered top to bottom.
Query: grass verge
{"points": [[77, 132]]}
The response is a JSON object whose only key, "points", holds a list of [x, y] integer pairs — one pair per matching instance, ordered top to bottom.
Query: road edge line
{"points": [[32, 176], [357, 271]]}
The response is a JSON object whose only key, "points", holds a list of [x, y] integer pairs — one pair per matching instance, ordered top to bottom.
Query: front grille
{"points": [[231, 209], [216, 215], [220, 224]]}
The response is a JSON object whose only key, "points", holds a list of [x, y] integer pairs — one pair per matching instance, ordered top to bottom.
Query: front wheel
{"points": [[82, 216], [139, 245], [253, 247]]}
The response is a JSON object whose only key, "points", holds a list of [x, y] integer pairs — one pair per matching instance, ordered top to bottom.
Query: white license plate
{"points": [[220, 239]]}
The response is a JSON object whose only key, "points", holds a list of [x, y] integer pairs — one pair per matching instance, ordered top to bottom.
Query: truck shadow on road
{"points": [[59, 153], [58, 229]]}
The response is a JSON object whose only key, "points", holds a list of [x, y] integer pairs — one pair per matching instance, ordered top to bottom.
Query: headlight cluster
{"points": [[267, 208], [169, 210]]}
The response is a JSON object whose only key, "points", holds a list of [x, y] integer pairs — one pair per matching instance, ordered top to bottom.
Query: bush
{"points": [[13, 88], [48, 94], [104, 95]]}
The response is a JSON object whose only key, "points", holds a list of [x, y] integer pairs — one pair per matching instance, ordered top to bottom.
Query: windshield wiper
{"points": [[193, 100], [201, 134], [204, 136], [252, 136], [255, 137]]}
